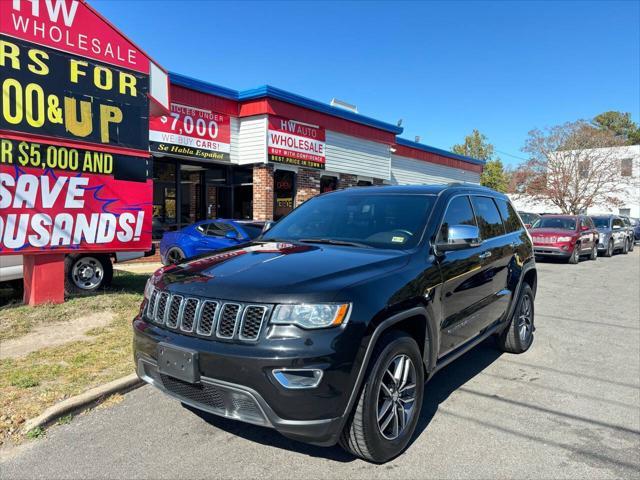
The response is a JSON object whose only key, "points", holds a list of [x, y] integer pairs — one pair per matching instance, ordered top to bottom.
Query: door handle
{"points": [[484, 255]]}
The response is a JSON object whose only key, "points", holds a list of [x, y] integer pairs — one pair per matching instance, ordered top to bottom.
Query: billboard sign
{"points": [[191, 131], [296, 143]]}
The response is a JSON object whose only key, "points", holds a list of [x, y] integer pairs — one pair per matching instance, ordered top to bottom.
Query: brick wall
{"points": [[346, 180], [308, 185], [263, 192]]}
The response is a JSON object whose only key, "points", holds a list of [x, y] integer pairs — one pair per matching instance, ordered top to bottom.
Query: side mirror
{"points": [[267, 225], [231, 235], [461, 237]]}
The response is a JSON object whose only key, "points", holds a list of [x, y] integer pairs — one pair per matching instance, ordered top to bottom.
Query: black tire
{"points": [[631, 244], [625, 247], [609, 251], [594, 253], [174, 255], [575, 256], [77, 284], [512, 340], [362, 435]]}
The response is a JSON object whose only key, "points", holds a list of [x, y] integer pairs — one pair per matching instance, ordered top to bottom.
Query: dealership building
{"points": [[259, 153]]}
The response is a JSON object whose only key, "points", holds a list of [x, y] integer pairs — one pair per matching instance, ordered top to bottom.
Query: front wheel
{"points": [[631, 244], [625, 247], [609, 251], [594, 253], [174, 255], [575, 256], [518, 336], [387, 411]]}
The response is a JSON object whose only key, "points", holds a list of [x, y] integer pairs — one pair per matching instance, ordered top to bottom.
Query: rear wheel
{"points": [[631, 244], [625, 247], [594, 253], [86, 273], [518, 336], [386, 413]]}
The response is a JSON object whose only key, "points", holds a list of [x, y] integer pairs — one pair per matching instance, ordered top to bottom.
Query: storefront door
{"points": [[284, 189]]}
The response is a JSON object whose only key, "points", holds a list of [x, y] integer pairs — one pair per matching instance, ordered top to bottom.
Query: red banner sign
{"points": [[71, 26], [191, 131], [296, 143], [45, 209]]}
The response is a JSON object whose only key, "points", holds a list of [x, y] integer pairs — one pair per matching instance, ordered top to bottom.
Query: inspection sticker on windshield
{"points": [[398, 239]]}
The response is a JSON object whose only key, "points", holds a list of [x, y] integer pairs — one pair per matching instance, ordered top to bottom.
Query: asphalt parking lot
{"points": [[568, 408]]}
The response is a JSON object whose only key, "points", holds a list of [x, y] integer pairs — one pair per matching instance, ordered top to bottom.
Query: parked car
{"points": [[528, 218], [635, 222], [631, 230], [206, 236], [565, 236], [614, 236], [83, 273], [327, 325]]}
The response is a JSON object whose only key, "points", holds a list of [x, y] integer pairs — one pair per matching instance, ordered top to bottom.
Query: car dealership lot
{"points": [[570, 407]]}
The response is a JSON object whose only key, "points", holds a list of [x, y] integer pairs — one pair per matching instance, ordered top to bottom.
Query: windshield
{"points": [[528, 218], [368, 219], [601, 222], [563, 223]]}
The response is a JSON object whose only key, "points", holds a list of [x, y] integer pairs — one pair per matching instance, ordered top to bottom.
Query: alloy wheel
{"points": [[525, 320], [396, 397]]}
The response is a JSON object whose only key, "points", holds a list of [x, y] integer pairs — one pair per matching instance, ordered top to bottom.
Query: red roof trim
{"points": [[276, 107]]}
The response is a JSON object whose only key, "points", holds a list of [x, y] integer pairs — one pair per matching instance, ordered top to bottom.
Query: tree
{"points": [[620, 124], [475, 146], [572, 167], [494, 176]]}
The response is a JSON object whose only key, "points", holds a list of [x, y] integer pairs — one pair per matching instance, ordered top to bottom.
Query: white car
{"points": [[84, 272]]}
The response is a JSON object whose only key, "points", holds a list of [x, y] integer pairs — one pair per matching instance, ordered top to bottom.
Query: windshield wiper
{"points": [[331, 241]]}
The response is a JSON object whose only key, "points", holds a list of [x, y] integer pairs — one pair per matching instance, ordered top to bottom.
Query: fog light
{"points": [[565, 247], [298, 378]]}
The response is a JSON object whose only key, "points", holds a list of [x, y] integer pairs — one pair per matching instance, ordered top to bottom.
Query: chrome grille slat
{"points": [[175, 305], [161, 307], [151, 308], [188, 317], [207, 318], [228, 320], [252, 320]]}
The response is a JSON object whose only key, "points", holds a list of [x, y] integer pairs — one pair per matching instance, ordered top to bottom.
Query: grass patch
{"points": [[31, 384], [64, 420], [35, 433]]}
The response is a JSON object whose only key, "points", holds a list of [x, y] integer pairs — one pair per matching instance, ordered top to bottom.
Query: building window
{"points": [[626, 167], [583, 168], [364, 183], [328, 184], [284, 192], [164, 198], [625, 211]]}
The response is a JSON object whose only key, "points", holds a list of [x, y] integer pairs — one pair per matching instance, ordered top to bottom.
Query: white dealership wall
{"points": [[356, 156], [409, 171]]}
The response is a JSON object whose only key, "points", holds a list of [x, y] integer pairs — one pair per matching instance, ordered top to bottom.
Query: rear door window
{"points": [[459, 212], [509, 216], [488, 217], [219, 229]]}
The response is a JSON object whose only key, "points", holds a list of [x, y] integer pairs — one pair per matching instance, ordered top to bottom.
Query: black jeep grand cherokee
{"points": [[327, 326]]}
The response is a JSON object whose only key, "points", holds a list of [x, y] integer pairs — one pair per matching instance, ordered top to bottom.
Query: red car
{"points": [[565, 236]]}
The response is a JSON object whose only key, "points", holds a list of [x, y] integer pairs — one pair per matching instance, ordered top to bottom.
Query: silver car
{"points": [[614, 236]]}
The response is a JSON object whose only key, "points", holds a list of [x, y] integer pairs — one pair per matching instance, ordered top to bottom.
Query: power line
{"points": [[513, 156]]}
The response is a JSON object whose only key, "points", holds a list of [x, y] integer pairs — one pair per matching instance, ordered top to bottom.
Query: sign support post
{"points": [[43, 278]]}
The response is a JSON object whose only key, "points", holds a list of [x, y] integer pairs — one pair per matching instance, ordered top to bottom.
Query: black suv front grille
{"points": [[207, 318]]}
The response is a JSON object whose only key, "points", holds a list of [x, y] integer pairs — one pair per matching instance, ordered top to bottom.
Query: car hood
{"points": [[603, 229], [552, 232], [279, 272]]}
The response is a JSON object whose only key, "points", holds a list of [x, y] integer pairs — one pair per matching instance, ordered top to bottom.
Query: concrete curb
{"points": [[83, 401]]}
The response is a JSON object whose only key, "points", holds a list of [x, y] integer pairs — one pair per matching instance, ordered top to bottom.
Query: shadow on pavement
{"points": [[436, 391]]}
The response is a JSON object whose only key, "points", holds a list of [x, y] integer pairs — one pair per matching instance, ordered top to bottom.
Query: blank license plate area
{"points": [[178, 362]]}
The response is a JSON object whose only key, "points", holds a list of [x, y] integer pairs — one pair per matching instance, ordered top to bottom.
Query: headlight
{"points": [[564, 239], [148, 288], [312, 316]]}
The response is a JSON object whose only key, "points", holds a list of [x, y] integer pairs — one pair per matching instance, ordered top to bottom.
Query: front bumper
{"points": [[547, 251], [236, 381]]}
